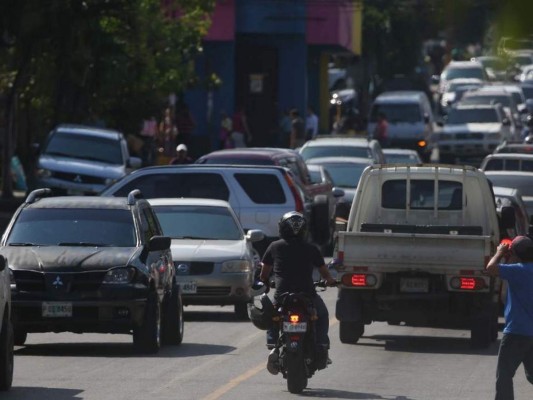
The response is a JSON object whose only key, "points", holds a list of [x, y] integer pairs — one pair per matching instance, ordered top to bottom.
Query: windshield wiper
{"points": [[58, 153], [191, 237], [24, 244], [88, 244]]}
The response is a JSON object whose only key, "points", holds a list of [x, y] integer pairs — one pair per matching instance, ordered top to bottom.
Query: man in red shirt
{"points": [[381, 132]]}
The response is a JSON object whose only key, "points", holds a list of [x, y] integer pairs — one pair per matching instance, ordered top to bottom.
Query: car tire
{"points": [[241, 310], [172, 325], [351, 331], [20, 337], [146, 337], [6, 354]]}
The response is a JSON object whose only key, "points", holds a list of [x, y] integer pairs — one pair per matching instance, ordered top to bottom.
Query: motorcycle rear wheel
{"points": [[296, 375]]}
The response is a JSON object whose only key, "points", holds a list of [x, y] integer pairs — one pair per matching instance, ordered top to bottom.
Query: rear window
{"points": [[400, 112], [336, 151], [237, 161], [501, 164], [202, 185], [262, 188], [422, 194]]}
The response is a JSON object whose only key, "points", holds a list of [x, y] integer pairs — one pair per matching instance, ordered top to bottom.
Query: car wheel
{"points": [[241, 310], [172, 326], [350, 331], [20, 337], [146, 338], [6, 355]]}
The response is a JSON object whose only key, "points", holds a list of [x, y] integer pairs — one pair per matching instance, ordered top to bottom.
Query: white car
{"points": [[342, 146], [213, 257], [6, 329]]}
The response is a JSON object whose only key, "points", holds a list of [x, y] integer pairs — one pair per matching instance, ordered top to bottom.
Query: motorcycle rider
{"points": [[292, 260]]}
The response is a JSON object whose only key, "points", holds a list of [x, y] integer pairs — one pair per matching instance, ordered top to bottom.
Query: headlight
{"points": [[44, 173], [236, 266], [119, 275], [12, 277]]}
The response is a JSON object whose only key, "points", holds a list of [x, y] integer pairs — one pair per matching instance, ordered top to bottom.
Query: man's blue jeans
{"points": [[321, 326], [514, 350]]}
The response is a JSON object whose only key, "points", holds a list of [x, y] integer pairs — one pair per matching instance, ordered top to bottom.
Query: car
{"points": [[494, 66], [460, 69], [455, 90], [409, 116], [472, 131], [342, 146], [514, 148], [401, 156], [83, 160], [507, 162], [345, 173], [520, 180], [319, 194], [259, 195], [510, 197], [214, 259], [92, 264], [6, 329]]}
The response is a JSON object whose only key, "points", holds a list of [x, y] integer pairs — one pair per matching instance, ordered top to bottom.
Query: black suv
{"points": [[92, 264]]}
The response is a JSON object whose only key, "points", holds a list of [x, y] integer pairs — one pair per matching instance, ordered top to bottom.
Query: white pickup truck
{"points": [[414, 249]]}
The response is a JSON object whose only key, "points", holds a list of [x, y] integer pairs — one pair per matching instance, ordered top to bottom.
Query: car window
{"points": [[454, 73], [504, 100], [395, 113], [472, 115], [85, 147], [335, 151], [402, 158], [345, 175], [315, 176], [169, 185], [262, 188], [422, 194], [198, 222], [54, 226], [149, 226]]}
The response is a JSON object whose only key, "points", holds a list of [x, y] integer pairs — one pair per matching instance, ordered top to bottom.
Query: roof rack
{"points": [[38, 194], [133, 196]]}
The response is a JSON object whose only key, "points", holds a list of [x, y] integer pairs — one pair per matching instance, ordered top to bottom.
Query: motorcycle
{"points": [[295, 353]]}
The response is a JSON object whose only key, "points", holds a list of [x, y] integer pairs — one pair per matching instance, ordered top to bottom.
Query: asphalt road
{"points": [[222, 358]]}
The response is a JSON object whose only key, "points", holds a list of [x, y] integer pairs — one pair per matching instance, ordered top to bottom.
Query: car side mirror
{"points": [[435, 79], [426, 118], [506, 122], [134, 162], [337, 192], [508, 219], [255, 235], [159, 243], [2, 263]]}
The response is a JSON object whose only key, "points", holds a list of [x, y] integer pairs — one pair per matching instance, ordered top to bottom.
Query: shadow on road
{"points": [[212, 316], [428, 344], [119, 350], [39, 393], [342, 394]]}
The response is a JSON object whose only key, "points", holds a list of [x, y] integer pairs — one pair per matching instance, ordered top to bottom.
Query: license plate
{"points": [[414, 285], [188, 287], [56, 309], [298, 327]]}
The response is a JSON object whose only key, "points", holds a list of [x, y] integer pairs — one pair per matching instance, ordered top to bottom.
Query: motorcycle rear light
{"points": [[359, 280], [295, 318]]}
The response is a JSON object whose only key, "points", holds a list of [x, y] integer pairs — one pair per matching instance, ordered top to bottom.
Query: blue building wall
{"points": [[270, 16]]}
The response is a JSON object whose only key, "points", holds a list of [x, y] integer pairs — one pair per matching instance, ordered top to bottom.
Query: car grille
{"points": [[469, 135], [78, 178], [194, 268], [63, 282], [212, 291]]}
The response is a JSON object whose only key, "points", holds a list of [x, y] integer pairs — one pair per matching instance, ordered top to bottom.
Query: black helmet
{"points": [[292, 225], [262, 317]]}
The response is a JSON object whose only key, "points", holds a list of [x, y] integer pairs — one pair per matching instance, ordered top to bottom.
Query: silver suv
{"points": [[83, 160]]}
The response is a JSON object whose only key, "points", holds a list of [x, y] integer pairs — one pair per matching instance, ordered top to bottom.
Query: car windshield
{"points": [[494, 63], [454, 73], [528, 91], [504, 100], [397, 112], [472, 115], [86, 147], [341, 150], [393, 158], [345, 175], [524, 183], [198, 222], [69, 226]]}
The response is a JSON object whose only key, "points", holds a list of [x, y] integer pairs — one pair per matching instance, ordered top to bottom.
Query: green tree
{"points": [[66, 61]]}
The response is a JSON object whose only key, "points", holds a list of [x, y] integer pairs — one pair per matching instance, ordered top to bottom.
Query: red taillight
{"points": [[299, 204], [359, 280], [467, 283]]}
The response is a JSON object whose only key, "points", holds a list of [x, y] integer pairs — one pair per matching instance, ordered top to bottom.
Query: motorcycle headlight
{"points": [[44, 173], [236, 266], [119, 275]]}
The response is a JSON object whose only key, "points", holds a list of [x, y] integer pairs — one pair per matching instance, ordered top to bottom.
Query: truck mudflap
{"points": [[349, 305]]}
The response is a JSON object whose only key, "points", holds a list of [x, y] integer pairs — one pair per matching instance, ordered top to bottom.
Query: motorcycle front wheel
{"points": [[296, 375]]}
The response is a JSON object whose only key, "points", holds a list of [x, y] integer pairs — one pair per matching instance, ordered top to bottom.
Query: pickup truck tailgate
{"points": [[392, 252]]}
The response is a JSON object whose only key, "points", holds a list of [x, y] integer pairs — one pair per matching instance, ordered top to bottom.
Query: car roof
{"points": [[464, 64], [399, 95], [463, 106], [88, 131], [336, 141], [399, 151], [266, 152], [511, 156], [339, 160], [198, 168], [79, 202], [189, 202]]}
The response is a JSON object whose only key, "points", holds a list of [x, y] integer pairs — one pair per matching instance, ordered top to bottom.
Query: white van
{"points": [[409, 116]]}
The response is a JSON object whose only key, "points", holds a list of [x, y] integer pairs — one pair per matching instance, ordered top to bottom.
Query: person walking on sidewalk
{"points": [[516, 346]]}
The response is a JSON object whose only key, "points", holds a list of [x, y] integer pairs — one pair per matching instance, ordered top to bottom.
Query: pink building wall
{"points": [[223, 22], [330, 24]]}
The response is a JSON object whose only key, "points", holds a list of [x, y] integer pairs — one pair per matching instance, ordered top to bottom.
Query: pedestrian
{"points": [[184, 123], [311, 124], [226, 128], [285, 128], [297, 130], [381, 132], [167, 134], [149, 135], [241, 135], [181, 156], [292, 261], [516, 346]]}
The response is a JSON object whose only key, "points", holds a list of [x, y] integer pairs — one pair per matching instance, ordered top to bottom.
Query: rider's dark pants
{"points": [[321, 326]]}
